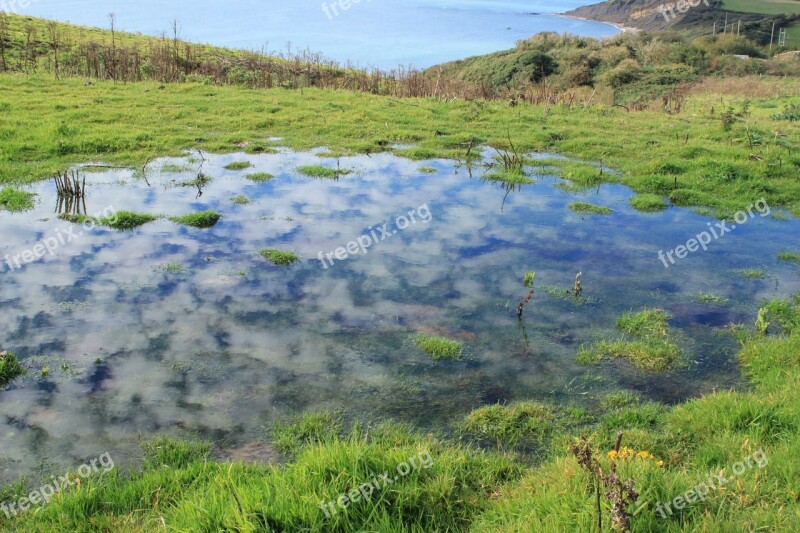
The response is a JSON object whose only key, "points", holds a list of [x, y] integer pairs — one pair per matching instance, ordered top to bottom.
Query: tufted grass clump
{"points": [[238, 165], [320, 172], [259, 176], [16, 200], [648, 203], [590, 209], [201, 219], [126, 220], [279, 257], [790, 257], [649, 322], [439, 347], [652, 354], [9, 368], [510, 425]]}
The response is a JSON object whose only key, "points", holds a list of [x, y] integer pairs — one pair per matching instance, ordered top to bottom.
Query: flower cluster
{"points": [[629, 453]]}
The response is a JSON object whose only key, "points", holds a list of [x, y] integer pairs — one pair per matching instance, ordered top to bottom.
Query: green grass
{"points": [[766, 7], [141, 121], [238, 165], [427, 170], [320, 172], [260, 176], [510, 177], [240, 199], [16, 200], [648, 203], [586, 208], [201, 219], [126, 220], [279, 257], [790, 257], [752, 273], [530, 279], [712, 299], [649, 322], [439, 347], [651, 354], [9, 368], [510, 425], [465, 489]]}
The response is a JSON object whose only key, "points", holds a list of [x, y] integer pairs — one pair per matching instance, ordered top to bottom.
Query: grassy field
{"points": [[767, 7], [722, 152]]}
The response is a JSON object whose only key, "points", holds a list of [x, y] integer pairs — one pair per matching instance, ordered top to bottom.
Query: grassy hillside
{"points": [[766, 7]]}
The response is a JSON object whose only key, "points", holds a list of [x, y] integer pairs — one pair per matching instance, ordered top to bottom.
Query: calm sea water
{"points": [[381, 33], [222, 343]]}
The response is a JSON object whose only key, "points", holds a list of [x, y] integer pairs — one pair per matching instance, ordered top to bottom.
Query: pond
{"points": [[191, 332]]}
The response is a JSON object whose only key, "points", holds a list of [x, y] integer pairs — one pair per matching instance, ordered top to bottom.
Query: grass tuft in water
{"points": [[238, 165], [427, 170], [320, 172], [260, 176], [512, 177], [240, 199], [16, 200], [648, 203], [586, 208], [201, 219], [126, 220], [279, 257], [790, 257], [172, 268], [752, 273], [530, 279], [712, 299], [649, 322], [439, 347], [651, 353], [9, 368], [510, 425]]}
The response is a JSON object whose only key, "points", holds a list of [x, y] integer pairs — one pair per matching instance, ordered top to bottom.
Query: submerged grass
{"points": [[16, 200], [586, 208], [201, 219], [279, 257], [439, 347]]}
